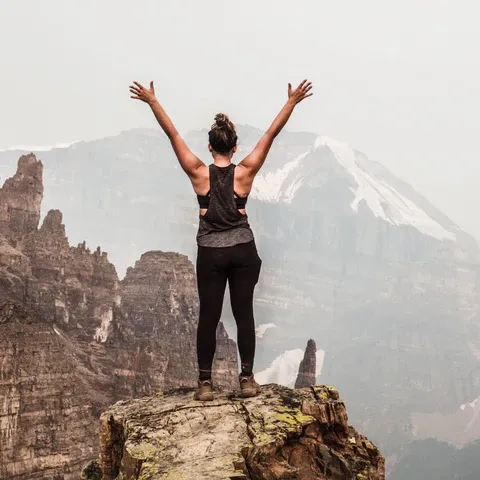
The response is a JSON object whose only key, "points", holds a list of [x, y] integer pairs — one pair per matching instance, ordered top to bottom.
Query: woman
{"points": [[226, 245]]}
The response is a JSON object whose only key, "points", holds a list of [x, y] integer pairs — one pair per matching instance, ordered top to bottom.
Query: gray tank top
{"points": [[223, 225]]}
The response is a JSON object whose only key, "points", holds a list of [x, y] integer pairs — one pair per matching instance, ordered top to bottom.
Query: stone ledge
{"points": [[280, 434]]}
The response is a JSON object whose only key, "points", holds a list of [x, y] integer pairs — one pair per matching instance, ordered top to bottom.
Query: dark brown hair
{"points": [[222, 136]]}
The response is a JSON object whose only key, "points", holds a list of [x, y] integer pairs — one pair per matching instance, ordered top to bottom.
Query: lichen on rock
{"points": [[280, 434]]}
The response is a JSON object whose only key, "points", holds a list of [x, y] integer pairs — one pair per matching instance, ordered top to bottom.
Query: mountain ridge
{"points": [[249, 135]]}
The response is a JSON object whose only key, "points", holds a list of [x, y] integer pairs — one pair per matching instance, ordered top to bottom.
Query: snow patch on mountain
{"points": [[270, 186], [261, 329], [284, 369], [475, 406]]}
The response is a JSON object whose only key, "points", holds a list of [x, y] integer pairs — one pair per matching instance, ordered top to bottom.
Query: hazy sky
{"points": [[398, 80]]}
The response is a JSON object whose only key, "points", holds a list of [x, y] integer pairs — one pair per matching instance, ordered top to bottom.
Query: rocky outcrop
{"points": [[20, 199], [159, 307], [74, 339], [307, 372], [281, 434]]}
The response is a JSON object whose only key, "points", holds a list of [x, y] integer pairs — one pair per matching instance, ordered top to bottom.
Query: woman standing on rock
{"points": [[226, 245]]}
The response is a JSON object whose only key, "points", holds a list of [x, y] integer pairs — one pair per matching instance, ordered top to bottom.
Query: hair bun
{"points": [[222, 120], [222, 136]]}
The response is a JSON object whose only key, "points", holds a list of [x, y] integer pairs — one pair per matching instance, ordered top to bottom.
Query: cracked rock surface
{"points": [[282, 434]]}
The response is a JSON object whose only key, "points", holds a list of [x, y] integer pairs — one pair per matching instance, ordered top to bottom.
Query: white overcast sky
{"points": [[398, 80]]}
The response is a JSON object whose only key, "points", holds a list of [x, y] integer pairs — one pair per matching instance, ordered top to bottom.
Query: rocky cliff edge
{"points": [[281, 434]]}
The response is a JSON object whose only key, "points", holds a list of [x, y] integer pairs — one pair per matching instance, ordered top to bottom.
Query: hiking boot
{"points": [[248, 386], [204, 391]]}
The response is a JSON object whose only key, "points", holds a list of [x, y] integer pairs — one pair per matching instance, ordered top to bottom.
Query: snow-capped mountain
{"points": [[317, 163], [317, 173], [367, 184]]}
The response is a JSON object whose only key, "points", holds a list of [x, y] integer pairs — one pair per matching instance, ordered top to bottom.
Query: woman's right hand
{"points": [[300, 93], [146, 95]]}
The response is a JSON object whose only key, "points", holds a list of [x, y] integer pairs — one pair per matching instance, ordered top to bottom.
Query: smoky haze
{"points": [[399, 81]]}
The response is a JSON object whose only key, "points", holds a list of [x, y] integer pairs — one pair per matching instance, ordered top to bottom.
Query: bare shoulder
{"points": [[202, 171], [243, 173], [243, 178], [200, 179]]}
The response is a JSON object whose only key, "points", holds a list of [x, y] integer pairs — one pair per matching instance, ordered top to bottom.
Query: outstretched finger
{"points": [[151, 84], [302, 84], [138, 85], [306, 89], [136, 91], [135, 97]]}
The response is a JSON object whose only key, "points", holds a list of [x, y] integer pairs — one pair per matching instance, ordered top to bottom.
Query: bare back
{"points": [[242, 183]]}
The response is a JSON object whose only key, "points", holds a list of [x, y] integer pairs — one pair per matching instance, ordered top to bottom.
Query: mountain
{"points": [[372, 187], [352, 256], [74, 338], [433, 460]]}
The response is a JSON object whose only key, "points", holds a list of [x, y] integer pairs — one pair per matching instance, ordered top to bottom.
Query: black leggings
{"points": [[240, 265]]}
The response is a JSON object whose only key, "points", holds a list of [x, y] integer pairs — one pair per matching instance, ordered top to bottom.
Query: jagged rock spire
{"points": [[20, 199], [307, 371]]}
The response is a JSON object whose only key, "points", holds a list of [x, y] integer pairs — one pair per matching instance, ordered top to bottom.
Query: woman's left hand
{"points": [[146, 95]]}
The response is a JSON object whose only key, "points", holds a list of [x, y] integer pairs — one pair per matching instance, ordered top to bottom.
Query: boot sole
{"points": [[249, 393], [207, 397]]}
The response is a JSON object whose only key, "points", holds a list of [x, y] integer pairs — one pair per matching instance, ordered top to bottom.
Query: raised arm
{"points": [[188, 160], [253, 162]]}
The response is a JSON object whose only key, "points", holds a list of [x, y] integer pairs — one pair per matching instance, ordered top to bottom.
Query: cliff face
{"points": [[159, 296], [74, 339], [47, 412], [281, 434]]}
